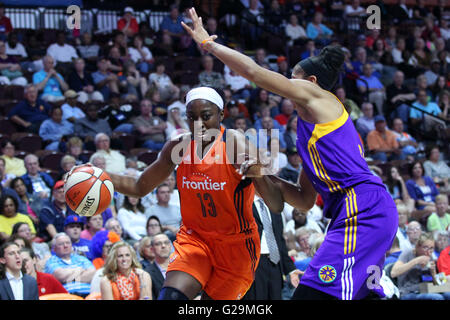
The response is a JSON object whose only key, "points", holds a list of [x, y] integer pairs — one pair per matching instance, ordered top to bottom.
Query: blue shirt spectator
{"points": [[172, 22], [52, 130]]}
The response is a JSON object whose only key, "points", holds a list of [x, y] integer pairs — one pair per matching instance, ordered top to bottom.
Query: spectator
{"points": [[401, 12], [252, 19], [5, 23], [128, 23], [171, 24], [316, 30], [294, 31], [310, 50], [89, 51], [398, 51], [62, 53], [141, 55], [420, 59], [283, 66], [10, 69], [433, 72], [208, 77], [105, 81], [50, 82], [82, 83], [163, 83], [421, 84], [370, 85], [135, 86], [240, 87], [438, 89], [398, 98], [260, 102], [444, 104], [350, 105], [287, 110], [70, 111], [29, 113], [416, 114], [118, 115], [176, 124], [88, 127], [150, 127], [55, 129], [290, 135], [382, 142], [74, 148], [115, 161], [67, 163], [13, 165], [437, 169], [292, 170], [5, 178], [36, 180], [397, 189], [423, 190], [29, 203], [54, 213], [168, 214], [9, 216], [132, 218], [302, 219], [440, 219], [94, 224], [113, 224], [73, 225], [153, 226], [402, 231], [441, 240], [101, 245], [161, 247], [146, 253], [394, 253], [443, 262], [414, 267], [75, 272], [124, 278], [47, 283], [13, 284]]}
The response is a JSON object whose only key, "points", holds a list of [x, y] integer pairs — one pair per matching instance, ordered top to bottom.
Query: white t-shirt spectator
{"points": [[295, 32], [19, 50], [63, 53], [135, 55], [162, 80], [69, 112], [133, 223]]}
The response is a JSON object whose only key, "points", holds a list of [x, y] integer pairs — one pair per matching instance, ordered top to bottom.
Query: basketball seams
{"points": [[94, 196]]}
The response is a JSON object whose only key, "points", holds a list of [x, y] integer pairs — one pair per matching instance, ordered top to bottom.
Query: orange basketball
{"points": [[88, 190]]}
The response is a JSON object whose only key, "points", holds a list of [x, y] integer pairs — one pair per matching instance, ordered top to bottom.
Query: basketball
{"points": [[88, 191]]}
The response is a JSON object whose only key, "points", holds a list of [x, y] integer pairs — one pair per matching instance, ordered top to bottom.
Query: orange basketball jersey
{"points": [[214, 200]]}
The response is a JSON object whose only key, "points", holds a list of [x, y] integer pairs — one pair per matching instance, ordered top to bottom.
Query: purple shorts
{"points": [[349, 263]]}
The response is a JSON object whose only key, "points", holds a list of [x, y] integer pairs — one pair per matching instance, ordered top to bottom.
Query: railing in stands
{"points": [[102, 21]]}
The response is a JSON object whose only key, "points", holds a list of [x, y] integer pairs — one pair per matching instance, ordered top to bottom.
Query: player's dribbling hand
{"points": [[198, 33]]}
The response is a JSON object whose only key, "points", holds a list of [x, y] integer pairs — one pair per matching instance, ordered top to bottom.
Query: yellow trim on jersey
{"points": [[321, 130], [351, 221]]}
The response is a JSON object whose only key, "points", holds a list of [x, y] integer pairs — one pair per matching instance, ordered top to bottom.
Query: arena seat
{"points": [[7, 127], [128, 140], [28, 142], [148, 157], [52, 160]]}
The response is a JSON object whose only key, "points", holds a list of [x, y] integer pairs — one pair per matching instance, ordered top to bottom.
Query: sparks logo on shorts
{"points": [[201, 181], [327, 274]]}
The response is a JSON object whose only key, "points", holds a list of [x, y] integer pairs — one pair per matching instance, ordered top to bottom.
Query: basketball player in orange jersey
{"points": [[364, 219], [217, 248]]}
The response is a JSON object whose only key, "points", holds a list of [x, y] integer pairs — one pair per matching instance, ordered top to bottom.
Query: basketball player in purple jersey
{"points": [[364, 218]]}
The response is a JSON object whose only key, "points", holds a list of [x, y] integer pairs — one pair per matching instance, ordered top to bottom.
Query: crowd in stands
{"points": [[115, 99]]}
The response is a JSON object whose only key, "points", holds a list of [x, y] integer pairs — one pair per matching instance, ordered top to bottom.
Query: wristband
{"points": [[204, 42]]}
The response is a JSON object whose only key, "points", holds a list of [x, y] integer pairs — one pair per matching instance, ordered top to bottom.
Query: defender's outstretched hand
{"points": [[198, 33]]}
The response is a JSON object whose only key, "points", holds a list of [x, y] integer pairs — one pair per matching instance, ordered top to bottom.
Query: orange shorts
{"points": [[225, 268]]}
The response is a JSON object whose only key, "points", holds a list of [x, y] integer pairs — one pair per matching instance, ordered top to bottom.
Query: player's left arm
{"points": [[251, 162]]}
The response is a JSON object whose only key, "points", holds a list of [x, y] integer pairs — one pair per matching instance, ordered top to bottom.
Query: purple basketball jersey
{"points": [[364, 219]]}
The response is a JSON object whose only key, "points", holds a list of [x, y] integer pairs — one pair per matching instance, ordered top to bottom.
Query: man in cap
{"points": [[128, 23], [70, 110], [382, 142], [291, 171], [73, 225]]}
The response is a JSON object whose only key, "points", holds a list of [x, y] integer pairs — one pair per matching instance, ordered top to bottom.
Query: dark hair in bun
{"points": [[326, 66]]}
